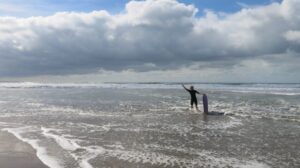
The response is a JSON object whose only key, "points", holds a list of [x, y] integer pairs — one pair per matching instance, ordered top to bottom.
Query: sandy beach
{"points": [[17, 154]]}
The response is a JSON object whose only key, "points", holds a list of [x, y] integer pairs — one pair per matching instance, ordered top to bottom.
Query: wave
{"points": [[275, 89], [291, 118]]}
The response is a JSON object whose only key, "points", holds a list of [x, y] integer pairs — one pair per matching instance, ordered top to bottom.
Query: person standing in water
{"points": [[193, 93]]}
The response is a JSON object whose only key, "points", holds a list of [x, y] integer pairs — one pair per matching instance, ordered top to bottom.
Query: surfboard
{"points": [[205, 107]]}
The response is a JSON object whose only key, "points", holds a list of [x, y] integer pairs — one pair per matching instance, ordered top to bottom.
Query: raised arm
{"points": [[185, 87]]}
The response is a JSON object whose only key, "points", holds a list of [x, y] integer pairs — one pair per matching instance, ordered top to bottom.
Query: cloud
{"points": [[151, 35], [293, 36]]}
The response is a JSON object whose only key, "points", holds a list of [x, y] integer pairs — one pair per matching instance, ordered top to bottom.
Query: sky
{"points": [[21, 8], [150, 41]]}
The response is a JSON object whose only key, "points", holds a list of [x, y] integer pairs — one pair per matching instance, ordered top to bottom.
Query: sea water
{"points": [[151, 124]]}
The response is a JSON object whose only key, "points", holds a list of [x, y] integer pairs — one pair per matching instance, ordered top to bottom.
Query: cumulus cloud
{"points": [[149, 35]]}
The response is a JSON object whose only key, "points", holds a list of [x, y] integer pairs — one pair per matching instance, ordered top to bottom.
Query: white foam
{"points": [[82, 85], [276, 89], [265, 92], [33, 104], [60, 109], [77, 111], [102, 114], [7, 115], [234, 122], [5, 124], [105, 128], [65, 143], [71, 145], [117, 145], [41, 152], [92, 152], [210, 156], [200, 159]]}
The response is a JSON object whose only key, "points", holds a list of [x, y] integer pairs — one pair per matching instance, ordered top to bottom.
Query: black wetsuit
{"points": [[193, 97]]}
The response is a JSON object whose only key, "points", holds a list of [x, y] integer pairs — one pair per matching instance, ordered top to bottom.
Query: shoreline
{"points": [[15, 153]]}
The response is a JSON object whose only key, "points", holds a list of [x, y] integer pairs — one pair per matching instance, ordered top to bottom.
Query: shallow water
{"points": [[151, 125]]}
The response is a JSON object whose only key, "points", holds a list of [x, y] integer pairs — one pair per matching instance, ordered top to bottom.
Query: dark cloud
{"points": [[149, 35]]}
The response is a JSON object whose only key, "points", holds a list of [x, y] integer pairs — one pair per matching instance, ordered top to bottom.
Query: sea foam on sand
{"points": [[71, 145], [40, 151]]}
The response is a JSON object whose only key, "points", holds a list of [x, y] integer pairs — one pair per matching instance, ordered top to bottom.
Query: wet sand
{"points": [[17, 154]]}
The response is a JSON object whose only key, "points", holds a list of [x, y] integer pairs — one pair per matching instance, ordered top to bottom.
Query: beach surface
{"points": [[149, 126], [17, 154]]}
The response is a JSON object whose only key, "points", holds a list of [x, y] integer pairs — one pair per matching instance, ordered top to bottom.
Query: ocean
{"points": [[130, 125]]}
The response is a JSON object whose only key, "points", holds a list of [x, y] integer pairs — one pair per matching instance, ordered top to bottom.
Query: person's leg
{"points": [[192, 103], [196, 104]]}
